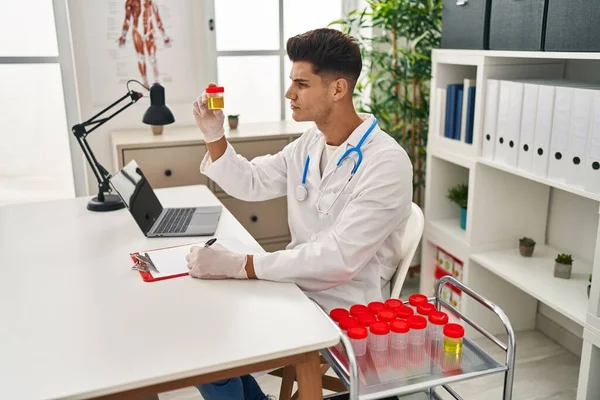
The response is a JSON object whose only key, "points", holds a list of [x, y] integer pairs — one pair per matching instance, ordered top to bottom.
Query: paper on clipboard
{"points": [[171, 262]]}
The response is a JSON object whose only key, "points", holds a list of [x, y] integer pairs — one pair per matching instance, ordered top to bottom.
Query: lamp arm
{"points": [[80, 131]]}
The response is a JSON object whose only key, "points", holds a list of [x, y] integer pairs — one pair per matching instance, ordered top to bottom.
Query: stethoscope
{"points": [[301, 191]]}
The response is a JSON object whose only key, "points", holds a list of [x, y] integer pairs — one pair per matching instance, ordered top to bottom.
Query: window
{"points": [[252, 63], [35, 156]]}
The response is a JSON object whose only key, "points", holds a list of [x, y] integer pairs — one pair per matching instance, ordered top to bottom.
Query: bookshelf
{"points": [[506, 203]]}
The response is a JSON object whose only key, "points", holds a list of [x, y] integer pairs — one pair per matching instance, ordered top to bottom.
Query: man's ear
{"points": [[340, 88]]}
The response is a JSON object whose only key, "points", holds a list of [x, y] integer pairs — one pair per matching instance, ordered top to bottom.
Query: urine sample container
{"points": [[214, 97], [416, 299], [393, 304], [375, 306], [358, 309], [425, 309], [403, 312], [337, 314], [386, 316], [366, 320], [348, 323], [418, 325], [435, 328], [399, 334], [379, 336], [358, 338], [453, 338]]}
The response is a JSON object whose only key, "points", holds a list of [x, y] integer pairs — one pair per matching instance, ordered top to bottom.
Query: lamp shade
{"points": [[158, 113]]}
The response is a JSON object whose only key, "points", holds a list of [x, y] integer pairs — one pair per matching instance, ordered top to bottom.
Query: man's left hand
{"points": [[216, 262]]}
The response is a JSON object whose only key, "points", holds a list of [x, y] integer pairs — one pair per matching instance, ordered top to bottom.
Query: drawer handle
{"points": [[462, 2], [168, 172], [254, 218]]}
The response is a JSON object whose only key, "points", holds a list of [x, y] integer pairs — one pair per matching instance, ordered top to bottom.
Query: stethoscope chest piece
{"points": [[301, 193]]}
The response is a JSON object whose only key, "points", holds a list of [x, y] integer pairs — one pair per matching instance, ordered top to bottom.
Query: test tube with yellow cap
{"points": [[214, 97]]}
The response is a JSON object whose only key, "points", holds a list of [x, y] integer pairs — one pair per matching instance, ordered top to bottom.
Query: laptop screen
{"points": [[137, 194]]}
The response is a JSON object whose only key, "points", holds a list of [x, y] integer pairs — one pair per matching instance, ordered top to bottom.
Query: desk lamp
{"points": [[157, 115]]}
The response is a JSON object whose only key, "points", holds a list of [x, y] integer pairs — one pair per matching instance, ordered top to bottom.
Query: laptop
{"points": [[154, 220]]}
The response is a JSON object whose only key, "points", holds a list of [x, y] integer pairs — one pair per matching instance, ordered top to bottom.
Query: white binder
{"points": [[490, 119], [543, 130], [513, 131], [559, 141], [526, 143], [501, 146], [575, 157], [592, 162]]}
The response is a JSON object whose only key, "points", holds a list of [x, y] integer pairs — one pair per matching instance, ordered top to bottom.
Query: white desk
{"points": [[77, 322]]}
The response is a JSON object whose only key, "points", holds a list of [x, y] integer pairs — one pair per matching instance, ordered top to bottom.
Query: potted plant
{"points": [[396, 39], [233, 120], [459, 195], [526, 246], [562, 266], [589, 285]]}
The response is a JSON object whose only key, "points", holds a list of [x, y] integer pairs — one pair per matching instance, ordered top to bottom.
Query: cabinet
{"points": [[173, 159], [505, 203]]}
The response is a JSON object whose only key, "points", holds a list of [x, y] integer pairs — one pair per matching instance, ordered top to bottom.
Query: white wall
{"points": [[131, 118], [570, 227]]}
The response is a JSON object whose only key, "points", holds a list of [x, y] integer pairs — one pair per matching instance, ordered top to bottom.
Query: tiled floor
{"points": [[544, 371]]}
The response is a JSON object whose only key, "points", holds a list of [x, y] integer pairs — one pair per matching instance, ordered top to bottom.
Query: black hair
{"points": [[329, 51]]}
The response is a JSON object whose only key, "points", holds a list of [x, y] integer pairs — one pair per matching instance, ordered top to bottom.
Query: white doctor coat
{"points": [[350, 254]]}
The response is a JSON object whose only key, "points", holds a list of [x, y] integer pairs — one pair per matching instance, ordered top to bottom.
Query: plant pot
{"points": [[233, 122], [157, 129], [463, 219], [526, 251], [562, 270]]}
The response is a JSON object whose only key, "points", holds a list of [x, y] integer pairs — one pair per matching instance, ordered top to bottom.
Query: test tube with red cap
{"points": [[416, 299], [393, 304], [375, 306], [358, 309], [425, 309], [403, 312], [337, 314], [386, 316], [366, 320], [348, 323], [345, 324], [435, 328], [399, 331], [399, 334], [435, 334], [379, 336], [358, 338], [416, 341]]}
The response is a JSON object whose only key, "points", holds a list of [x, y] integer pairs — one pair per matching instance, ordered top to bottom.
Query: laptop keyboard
{"points": [[176, 220]]}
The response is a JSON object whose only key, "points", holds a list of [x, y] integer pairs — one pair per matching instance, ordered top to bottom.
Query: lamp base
{"points": [[157, 129], [111, 202]]}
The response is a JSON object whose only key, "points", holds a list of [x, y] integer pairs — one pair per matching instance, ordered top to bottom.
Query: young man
{"points": [[348, 184]]}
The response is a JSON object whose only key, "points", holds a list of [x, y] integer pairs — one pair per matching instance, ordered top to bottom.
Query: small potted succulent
{"points": [[233, 120], [459, 195], [526, 246], [562, 266], [589, 285]]}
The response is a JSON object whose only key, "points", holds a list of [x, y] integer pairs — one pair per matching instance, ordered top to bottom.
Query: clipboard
{"points": [[169, 262], [143, 263]]}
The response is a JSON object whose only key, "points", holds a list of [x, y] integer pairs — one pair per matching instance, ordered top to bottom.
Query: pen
{"points": [[210, 242]]}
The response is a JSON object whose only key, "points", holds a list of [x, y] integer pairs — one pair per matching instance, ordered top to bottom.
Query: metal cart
{"points": [[380, 378]]}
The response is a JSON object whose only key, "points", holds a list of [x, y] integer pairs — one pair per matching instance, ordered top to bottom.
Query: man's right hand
{"points": [[210, 122]]}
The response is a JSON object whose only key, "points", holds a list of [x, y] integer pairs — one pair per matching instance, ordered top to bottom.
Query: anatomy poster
{"points": [[146, 40]]}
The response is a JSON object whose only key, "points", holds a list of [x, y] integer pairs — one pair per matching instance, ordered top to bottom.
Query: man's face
{"points": [[311, 96]]}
